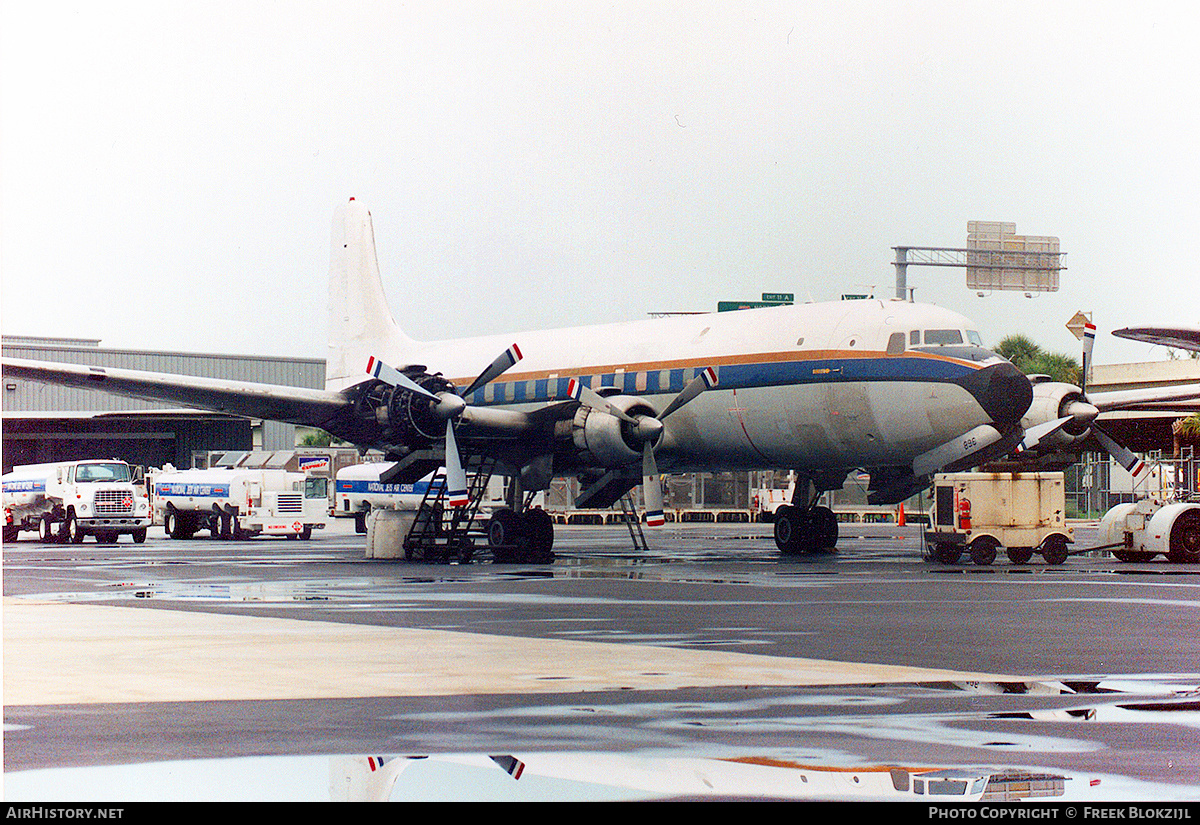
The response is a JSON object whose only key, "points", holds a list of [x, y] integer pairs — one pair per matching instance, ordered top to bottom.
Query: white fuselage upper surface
{"points": [[843, 384]]}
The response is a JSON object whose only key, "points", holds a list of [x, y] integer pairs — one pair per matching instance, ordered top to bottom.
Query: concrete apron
{"points": [[73, 654]]}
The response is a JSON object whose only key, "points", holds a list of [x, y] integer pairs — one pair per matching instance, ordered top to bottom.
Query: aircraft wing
{"points": [[1179, 337], [1181, 399], [296, 405]]}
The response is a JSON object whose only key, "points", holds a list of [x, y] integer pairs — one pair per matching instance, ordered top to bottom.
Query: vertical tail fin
{"points": [[360, 322]]}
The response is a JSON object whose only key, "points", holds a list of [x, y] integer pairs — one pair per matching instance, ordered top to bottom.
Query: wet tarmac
{"points": [[160, 670]]}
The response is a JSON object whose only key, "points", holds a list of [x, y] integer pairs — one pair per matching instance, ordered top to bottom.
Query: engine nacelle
{"points": [[1053, 400], [400, 418], [600, 439]]}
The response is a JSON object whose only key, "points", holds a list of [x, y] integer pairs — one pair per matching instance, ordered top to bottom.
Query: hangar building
{"points": [[42, 422]]}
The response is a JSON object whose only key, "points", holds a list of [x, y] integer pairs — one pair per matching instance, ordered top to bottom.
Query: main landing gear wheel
{"points": [[521, 538]]}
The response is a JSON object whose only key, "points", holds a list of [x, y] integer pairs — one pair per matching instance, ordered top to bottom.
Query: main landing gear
{"points": [[803, 526], [521, 538]]}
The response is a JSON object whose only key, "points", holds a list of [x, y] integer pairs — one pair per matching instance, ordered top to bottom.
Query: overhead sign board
{"points": [[1000, 259], [779, 297]]}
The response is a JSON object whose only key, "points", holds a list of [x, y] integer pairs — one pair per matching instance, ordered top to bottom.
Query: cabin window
{"points": [[941, 337], [895, 344]]}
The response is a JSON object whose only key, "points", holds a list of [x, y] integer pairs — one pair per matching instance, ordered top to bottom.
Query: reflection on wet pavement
{"points": [[555, 776]]}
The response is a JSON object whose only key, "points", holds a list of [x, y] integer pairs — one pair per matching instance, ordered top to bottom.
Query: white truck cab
{"points": [[70, 500]]}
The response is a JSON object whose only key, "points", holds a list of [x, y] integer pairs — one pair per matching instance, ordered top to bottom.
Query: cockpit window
{"points": [[943, 336], [974, 338], [895, 344]]}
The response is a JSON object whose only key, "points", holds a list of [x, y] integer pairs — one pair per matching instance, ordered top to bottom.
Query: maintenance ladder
{"points": [[442, 533]]}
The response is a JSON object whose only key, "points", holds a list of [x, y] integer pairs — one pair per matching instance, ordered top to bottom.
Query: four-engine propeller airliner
{"points": [[901, 390]]}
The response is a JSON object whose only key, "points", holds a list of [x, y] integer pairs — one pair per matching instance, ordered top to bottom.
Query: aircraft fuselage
{"points": [[810, 386]]}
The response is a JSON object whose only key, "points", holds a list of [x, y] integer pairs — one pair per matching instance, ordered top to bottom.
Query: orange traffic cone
{"points": [[900, 522]]}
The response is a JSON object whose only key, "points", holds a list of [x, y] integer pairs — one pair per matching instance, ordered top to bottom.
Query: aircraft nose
{"points": [[1002, 391]]}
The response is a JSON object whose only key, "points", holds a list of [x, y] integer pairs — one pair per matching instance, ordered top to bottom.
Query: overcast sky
{"points": [[170, 170]]}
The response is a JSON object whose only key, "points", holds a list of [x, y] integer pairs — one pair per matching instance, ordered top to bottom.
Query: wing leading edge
{"points": [[296, 405]]}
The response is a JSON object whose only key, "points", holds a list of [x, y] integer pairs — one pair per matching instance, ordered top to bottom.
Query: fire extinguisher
{"points": [[964, 514]]}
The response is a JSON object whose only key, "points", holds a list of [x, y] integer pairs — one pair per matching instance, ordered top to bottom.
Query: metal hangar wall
{"points": [[42, 422]]}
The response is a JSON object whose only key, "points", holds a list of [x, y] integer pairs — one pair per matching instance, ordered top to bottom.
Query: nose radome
{"points": [[1002, 391]]}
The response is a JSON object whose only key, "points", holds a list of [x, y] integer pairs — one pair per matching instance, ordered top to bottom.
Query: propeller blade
{"points": [[1089, 341], [502, 363], [390, 375], [707, 379], [590, 398], [1035, 435], [1132, 464], [456, 477], [652, 488]]}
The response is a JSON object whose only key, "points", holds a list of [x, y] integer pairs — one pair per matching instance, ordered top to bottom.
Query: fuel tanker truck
{"points": [[238, 503]]}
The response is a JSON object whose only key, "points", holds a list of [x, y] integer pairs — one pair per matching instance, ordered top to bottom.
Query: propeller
{"points": [[450, 406], [1083, 413], [648, 429]]}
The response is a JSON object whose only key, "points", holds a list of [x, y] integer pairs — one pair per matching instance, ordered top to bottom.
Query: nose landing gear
{"points": [[804, 526]]}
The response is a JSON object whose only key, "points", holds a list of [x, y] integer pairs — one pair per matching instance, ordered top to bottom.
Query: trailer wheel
{"points": [[1185, 538], [1054, 549], [983, 550], [1019, 555]]}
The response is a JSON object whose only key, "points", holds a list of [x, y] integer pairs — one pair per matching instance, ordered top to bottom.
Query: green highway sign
{"points": [[779, 297], [730, 306]]}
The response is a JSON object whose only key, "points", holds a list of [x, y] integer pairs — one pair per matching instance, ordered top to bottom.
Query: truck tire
{"points": [[73, 531], [46, 533], [139, 536], [1185, 538]]}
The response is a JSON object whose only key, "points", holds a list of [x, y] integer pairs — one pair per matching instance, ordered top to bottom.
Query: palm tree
{"points": [[1031, 359], [1185, 430]]}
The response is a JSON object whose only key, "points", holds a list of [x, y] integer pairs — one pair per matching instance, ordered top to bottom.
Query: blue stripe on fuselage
{"points": [[808, 371]]}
